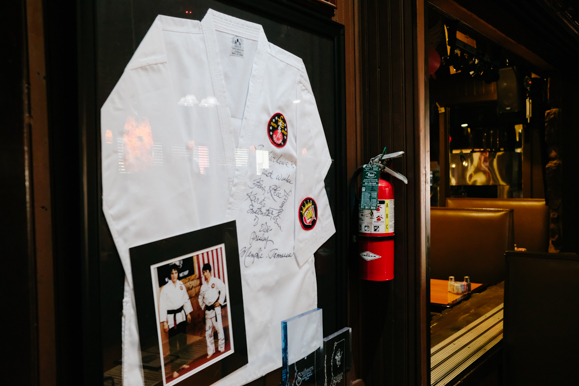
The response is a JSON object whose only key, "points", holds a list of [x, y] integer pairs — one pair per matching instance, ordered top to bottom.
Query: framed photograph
{"points": [[111, 31], [190, 307]]}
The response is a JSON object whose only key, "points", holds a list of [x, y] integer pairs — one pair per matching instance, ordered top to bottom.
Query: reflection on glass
{"points": [[188, 100], [210, 101], [109, 137], [138, 145], [179, 153], [157, 154], [121, 156], [201, 156], [241, 157], [261, 160], [486, 168]]}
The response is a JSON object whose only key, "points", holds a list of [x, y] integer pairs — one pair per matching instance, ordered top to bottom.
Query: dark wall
{"points": [[563, 96], [65, 171], [18, 264]]}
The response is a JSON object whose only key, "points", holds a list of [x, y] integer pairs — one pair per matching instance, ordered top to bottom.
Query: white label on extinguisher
{"points": [[389, 210], [380, 220], [369, 256]]}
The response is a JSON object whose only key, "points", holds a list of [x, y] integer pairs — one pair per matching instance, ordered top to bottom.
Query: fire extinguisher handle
{"points": [[396, 154], [395, 174]]}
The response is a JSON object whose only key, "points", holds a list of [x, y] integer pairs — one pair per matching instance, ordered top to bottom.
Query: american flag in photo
{"points": [[214, 257]]}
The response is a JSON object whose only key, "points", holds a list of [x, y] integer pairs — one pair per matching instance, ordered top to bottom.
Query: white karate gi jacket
{"points": [[188, 142], [211, 292], [174, 297]]}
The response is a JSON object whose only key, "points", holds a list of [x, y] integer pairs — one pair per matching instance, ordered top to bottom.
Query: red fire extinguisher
{"points": [[376, 228], [376, 236]]}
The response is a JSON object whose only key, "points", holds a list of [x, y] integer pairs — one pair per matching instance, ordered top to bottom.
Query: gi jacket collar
{"points": [[215, 21]]}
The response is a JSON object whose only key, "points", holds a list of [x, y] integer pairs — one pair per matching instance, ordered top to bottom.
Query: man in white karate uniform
{"points": [[210, 123], [211, 297], [174, 309]]}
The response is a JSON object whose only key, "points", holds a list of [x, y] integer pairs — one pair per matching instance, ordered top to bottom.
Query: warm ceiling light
{"points": [[464, 125]]}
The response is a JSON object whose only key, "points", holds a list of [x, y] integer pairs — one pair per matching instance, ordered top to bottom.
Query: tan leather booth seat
{"points": [[531, 218], [470, 242]]}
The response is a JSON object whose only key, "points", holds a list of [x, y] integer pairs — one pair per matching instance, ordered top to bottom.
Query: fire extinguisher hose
{"points": [[353, 186]]}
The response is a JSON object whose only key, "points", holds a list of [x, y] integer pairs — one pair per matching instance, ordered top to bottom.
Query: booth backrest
{"points": [[531, 218], [470, 242], [541, 319]]}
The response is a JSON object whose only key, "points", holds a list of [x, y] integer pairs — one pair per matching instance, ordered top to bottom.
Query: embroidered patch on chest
{"points": [[277, 130], [308, 213], [213, 285], [181, 288]]}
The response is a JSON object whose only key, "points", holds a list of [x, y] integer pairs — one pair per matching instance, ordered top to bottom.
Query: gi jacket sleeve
{"points": [[145, 198], [314, 224], [221, 288], [202, 296], [186, 302], [163, 306]]}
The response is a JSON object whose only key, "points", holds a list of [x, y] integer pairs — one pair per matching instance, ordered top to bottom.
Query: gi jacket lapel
{"points": [[212, 22]]}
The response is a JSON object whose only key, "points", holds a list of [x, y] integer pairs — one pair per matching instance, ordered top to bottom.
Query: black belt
{"points": [[211, 307], [178, 310], [174, 313]]}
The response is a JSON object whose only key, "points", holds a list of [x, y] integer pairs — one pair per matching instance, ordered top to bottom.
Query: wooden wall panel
{"points": [[348, 14], [563, 95], [61, 97], [42, 201], [392, 315], [20, 342]]}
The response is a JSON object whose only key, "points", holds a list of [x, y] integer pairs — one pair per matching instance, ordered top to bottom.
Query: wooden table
{"points": [[439, 294]]}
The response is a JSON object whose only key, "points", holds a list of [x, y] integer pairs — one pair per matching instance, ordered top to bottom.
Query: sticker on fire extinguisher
{"points": [[370, 184], [377, 221]]}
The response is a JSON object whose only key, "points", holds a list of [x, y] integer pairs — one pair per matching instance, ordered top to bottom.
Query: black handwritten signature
{"points": [[280, 161], [278, 177], [281, 177], [258, 183], [275, 191], [252, 196], [284, 198], [271, 213], [265, 228], [260, 238], [274, 254], [250, 256]]}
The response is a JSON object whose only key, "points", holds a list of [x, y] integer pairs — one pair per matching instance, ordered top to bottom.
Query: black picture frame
{"points": [[100, 60], [145, 256]]}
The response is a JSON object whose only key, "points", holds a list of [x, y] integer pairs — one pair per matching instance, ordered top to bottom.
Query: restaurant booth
{"points": [[118, 189]]}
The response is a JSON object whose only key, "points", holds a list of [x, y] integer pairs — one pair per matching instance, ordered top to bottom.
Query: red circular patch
{"points": [[277, 130]]}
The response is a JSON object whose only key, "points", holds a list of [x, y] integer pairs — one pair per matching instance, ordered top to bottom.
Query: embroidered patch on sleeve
{"points": [[277, 130], [308, 214]]}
